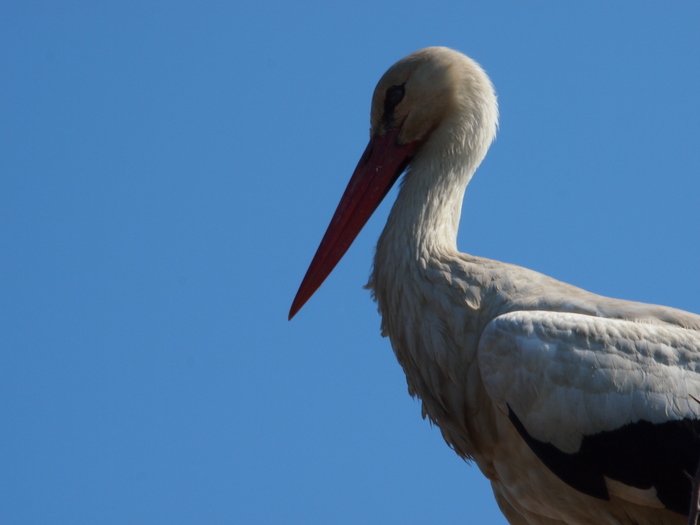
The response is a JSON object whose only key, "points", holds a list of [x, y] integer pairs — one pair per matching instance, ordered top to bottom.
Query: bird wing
{"points": [[599, 398]]}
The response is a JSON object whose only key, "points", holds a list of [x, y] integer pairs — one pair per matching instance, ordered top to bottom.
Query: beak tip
{"points": [[296, 305]]}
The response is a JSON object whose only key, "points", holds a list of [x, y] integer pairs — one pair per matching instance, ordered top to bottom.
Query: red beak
{"points": [[380, 166]]}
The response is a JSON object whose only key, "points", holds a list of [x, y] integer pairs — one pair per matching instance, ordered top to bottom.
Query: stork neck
{"points": [[426, 214], [425, 217]]}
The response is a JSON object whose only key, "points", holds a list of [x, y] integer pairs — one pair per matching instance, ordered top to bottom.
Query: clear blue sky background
{"points": [[166, 173]]}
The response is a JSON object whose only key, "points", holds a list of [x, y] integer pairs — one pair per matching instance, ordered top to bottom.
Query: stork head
{"points": [[416, 94], [434, 102]]}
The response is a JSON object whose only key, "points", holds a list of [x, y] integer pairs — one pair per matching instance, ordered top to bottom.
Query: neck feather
{"points": [[425, 217]]}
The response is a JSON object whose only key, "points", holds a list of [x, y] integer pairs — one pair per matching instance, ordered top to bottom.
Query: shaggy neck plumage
{"points": [[417, 264]]}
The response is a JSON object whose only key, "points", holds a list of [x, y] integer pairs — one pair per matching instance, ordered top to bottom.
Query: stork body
{"points": [[578, 408]]}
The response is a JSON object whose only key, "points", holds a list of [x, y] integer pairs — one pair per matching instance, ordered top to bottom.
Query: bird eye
{"points": [[394, 95]]}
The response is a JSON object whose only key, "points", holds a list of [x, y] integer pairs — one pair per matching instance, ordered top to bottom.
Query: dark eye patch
{"points": [[394, 95]]}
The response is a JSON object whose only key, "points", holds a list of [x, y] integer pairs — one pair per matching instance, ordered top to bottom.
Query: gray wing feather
{"points": [[570, 375]]}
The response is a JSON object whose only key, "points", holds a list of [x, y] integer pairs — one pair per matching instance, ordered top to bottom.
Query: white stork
{"points": [[580, 409]]}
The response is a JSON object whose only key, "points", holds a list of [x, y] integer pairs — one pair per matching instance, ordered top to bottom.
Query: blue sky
{"points": [[166, 173]]}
